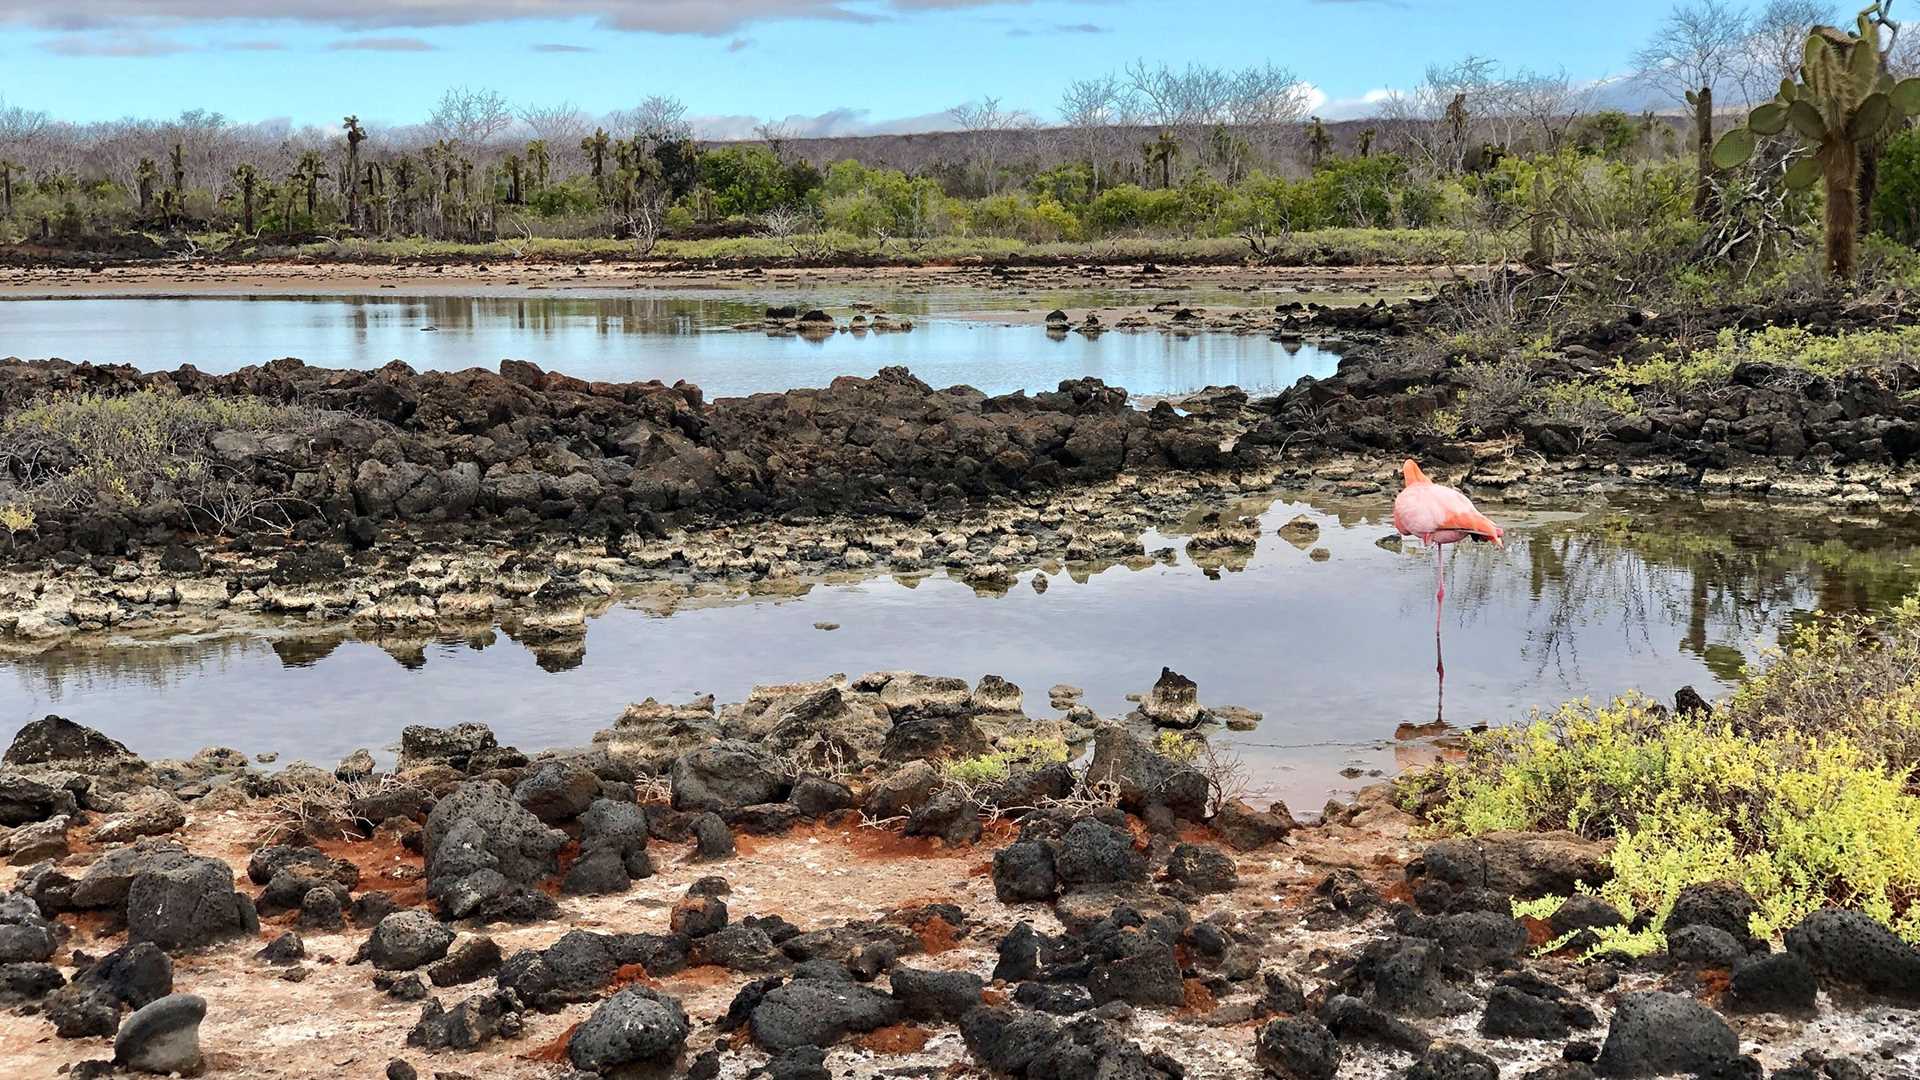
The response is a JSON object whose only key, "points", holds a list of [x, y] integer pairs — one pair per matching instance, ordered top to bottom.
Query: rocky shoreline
{"points": [[392, 498], [544, 587], [808, 884]]}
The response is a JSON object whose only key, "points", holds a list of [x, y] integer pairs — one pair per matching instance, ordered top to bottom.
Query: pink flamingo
{"points": [[1439, 516]]}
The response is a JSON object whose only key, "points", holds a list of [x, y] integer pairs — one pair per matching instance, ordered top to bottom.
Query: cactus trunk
{"points": [[1703, 136], [1840, 160], [1869, 183]]}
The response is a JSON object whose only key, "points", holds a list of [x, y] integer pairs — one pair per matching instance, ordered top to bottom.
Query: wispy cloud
{"points": [[657, 16], [1059, 28], [118, 43], [382, 44], [738, 44], [251, 46], [561, 47], [834, 123]]}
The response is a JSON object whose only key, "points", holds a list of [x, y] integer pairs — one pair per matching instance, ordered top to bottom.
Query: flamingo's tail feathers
{"points": [[1411, 474], [1476, 524]]}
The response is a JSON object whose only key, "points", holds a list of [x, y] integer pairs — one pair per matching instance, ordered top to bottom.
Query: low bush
{"points": [[1800, 354], [124, 450], [1016, 753], [1800, 789]]}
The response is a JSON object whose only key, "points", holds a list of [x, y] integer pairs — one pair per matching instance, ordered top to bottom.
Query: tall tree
{"points": [[1697, 52], [1843, 106], [1089, 107], [470, 116], [355, 136], [1319, 143], [595, 147], [1161, 154], [540, 160], [516, 170], [307, 174], [145, 175], [247, 179]]}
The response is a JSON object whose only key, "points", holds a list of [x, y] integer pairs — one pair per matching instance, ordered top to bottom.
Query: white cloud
{"points": [[658, 16]]}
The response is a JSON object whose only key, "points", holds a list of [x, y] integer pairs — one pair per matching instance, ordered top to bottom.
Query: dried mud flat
{"points": [[508, 278], [1297, 911], [259, 1024]]}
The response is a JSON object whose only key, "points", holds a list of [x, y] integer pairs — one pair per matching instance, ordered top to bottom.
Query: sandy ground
{"points": [[599, 279], [334, 1024], [259, 1025]]}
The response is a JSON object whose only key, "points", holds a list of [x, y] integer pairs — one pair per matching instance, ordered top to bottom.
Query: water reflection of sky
{"points": [[639, 337], [1337, 654]]}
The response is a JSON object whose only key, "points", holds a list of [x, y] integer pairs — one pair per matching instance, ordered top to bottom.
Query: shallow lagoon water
{"points": [[686, 335], [1337, 653]]}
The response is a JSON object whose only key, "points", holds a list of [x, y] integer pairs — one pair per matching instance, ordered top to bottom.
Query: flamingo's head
{"points": [[1410, 473]]}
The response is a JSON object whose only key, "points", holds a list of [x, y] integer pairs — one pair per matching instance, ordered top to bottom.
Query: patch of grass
{"points": [[1323, 247], [1800, 355], [1588, 408], [125, 450], [17, 518], [1178, 748], [1014, 754], [1802, 817]]}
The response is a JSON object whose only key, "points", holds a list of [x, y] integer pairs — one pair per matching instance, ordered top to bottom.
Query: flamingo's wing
{"points": [[1424, 509]]}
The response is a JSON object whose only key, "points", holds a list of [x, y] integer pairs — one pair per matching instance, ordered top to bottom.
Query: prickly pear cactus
{"points": [[1843, 100]]}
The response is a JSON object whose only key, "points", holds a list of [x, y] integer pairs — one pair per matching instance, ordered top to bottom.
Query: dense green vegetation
{"points": [[1801, 787]]}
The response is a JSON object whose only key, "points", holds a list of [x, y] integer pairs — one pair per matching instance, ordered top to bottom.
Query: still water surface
{"points": [[666, 337], [1338, 654]]}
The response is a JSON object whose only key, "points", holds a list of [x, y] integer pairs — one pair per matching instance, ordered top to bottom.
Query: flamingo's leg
{"points": [[1439, 599]]}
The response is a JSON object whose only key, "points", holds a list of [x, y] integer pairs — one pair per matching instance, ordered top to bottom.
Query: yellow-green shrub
{"points": [[114, 448], [1023, 752], [1800, 818]]}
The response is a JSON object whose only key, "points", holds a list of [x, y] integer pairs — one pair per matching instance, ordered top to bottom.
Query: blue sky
{"points": [[845, 65]]}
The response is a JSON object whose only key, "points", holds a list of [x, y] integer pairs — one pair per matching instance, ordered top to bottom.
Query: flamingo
{"points": [[1439, 516]]}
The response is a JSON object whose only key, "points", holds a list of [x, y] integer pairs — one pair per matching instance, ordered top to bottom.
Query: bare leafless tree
{"points": [[1776, 40], [1699, 43], [1903, 61], [1547, 103], [1088, 107], [471, 116], [659, 118], [1435, 122], [986, 123], [558, 125], [19, 126]]}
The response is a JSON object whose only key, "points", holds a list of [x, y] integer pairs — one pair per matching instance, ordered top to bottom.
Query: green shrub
{"points": [[1896, 201], [1798, 352], [120, 450], [1851, 676], [1019, 753], [1801, 815]]}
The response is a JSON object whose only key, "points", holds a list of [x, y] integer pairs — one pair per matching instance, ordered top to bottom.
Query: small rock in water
{"points": [[1319, 554], [826, 626], [1174, 701], [1237, 718], [267, 758], [355, 766], [163, 1037]]}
